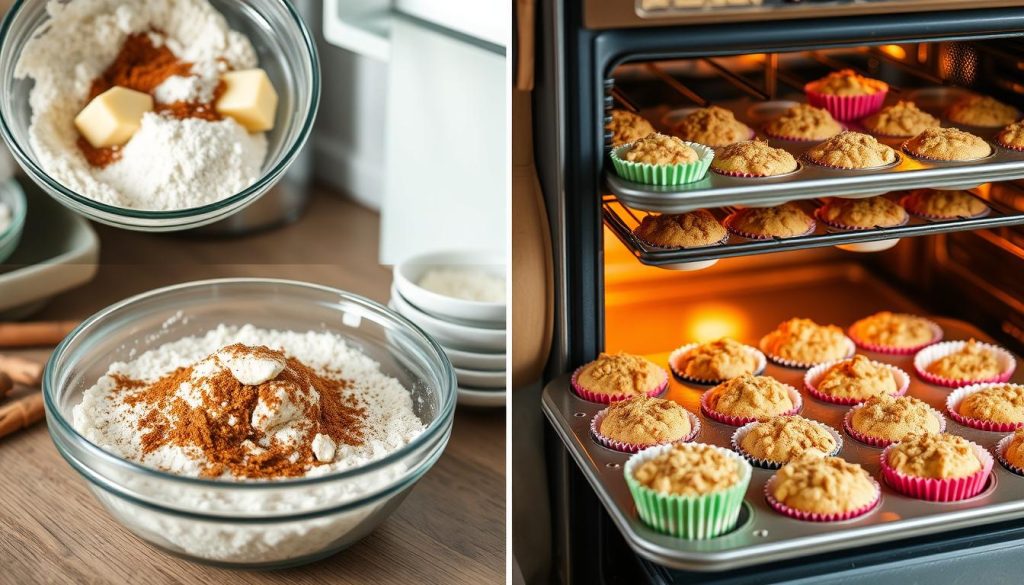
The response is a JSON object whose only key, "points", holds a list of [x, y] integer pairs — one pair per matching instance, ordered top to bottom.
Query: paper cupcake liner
{"points": [[846, 108], [1002, 144], [926, 158], [808, 159], [678, 174], [907, 202], [819, 213], [728, 221], [851, 349], [894, 350], [936, 351], [762, 363], [814, 374], [608, 398], [953, 408], [737, 421], [606, 441], [737, 441], [875, 441], [1001, 455], [939, 490], [815, 516], [689, 517]]}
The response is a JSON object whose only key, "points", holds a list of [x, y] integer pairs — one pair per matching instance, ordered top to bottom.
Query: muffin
{"points": [[846, 94], [979, 110], [901, 119], [804, 122], [627, 127], [714, 127], [1012, 136], [948, 144], [659, 149], [852, 150], [753, 158], [657, 159], [938, 204], [865, 213], [761, 223], [693, 229], [889, 332], [804, 343], [715, 361], [958, 363], [617, 376], [854, 380], [747, 398], [990, 407], [885, 419], [641, 421], [775, 441], [1011, 451], [936, 467], [822, 488], [692, 491]]}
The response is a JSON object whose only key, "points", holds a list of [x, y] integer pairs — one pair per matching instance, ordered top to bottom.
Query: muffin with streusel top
{"points": [[847, 82], [846, 94], [984, 111], [901, 119], [804, 122], [627, 127], [714, 127], [1012, 136], [947, 144], [659, 149], [852, 150], [753, 158], [657, 159], [941, 204], [868, 212], [782, 221], [693, 229], [891, 332], [804, 343], [715, 361], [972, 362], [617, 376], [853, 380], [747, 398], [995, 403], [884, 419], [643, 421], [775, 441], [1013, 452], [934, 455], [822, 488]]}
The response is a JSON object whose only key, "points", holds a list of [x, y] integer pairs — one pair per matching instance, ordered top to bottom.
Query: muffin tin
{"points": [[763, 535]]}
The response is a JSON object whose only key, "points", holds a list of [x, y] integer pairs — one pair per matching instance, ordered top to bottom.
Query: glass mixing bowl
{"points": [[287, 53], [216, 521]]}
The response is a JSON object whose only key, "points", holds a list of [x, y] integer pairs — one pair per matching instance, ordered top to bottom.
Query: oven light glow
{"points": [[895, 51], [713, 321]]}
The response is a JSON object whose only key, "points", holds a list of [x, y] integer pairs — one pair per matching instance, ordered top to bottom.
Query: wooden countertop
{"points": [[450, 529]]}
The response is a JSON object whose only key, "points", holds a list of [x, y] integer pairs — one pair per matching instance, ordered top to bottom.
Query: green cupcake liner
{"points": [[677, 174], [688, 517]]}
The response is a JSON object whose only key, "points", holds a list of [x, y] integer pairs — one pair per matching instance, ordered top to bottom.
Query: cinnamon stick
{"points": [[42, 333], [21, 370], [6, 384], [21, 413]]}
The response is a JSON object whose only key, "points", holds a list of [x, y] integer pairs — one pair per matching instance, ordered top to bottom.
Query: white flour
{"points": [[187, 163], [464, 283], [390, 423]]}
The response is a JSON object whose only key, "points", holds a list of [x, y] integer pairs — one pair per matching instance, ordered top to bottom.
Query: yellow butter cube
{"points": [[249, 98], [113, 117]]}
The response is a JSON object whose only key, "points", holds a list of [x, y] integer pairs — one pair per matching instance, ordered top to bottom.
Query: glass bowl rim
{"points": [[265, 180], [20, 211], [437, 427]]}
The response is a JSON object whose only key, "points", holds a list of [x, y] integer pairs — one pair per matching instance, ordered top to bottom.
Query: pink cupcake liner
{"points": [[846, 108], [1001, 144], [912, 154], [899, 159], [798, 168], [907, 201], [819, 213], [727, 222], [851, 349], [894, 350], [679, 352], [933, 352], [814, 374], [609, 398], [953, 408], [737, 421], [595, 424], [737, 440], [875, 441], [1001, 455], [939, 490], [815, 516]]}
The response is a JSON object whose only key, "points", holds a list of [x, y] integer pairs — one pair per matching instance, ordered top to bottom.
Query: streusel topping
{"points": [[847, 82], [979, 110], [901, 119], [805, 122], [627, 127], [714, 127], [1012, 136], [948, 144], [659, 149], [852, 150], [753, 157], [864, 213], [782, 221], [686, 230], [893, 329], [805, 342], [717, 360], [972, 362], [621, 373], [857, 377], [750, 397], [1002, 403], [891, 418], [643, 420], [783, 438], [1014, 453], [934, 455], [689, 470], [824, 485]]}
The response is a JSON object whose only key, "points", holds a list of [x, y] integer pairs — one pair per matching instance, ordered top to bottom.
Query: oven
{"points": [[611, 292]]}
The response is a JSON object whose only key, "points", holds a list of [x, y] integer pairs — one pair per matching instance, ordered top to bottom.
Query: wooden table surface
{"points": [[450, 529]]}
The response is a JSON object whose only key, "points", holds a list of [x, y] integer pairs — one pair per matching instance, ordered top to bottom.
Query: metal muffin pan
{"points": [[812, 181], [763, 535]]}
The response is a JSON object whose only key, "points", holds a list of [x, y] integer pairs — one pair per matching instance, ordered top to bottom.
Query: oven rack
{"points": [[621, 220]]}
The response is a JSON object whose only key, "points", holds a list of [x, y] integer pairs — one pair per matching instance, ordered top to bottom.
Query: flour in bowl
{"points": [[465, 283]]}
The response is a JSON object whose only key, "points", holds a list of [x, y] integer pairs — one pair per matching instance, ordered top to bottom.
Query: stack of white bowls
{"points": [[472, 333]]}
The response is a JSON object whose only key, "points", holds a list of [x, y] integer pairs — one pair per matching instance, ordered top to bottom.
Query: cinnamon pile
{"points": [[142, 66], [240, 448]]}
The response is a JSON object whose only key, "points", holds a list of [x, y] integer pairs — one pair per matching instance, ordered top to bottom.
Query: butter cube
{"points": [[249, 98], [113, 117]]}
